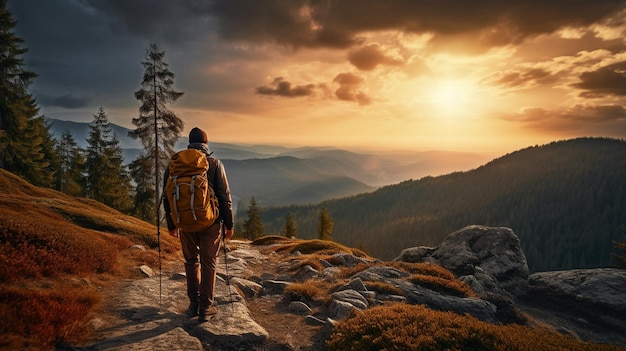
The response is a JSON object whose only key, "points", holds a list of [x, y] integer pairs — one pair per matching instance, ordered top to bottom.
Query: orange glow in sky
{"points": [[455, 75]]}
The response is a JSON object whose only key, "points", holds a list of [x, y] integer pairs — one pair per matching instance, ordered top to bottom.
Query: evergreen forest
{"points": [[565, 200]]}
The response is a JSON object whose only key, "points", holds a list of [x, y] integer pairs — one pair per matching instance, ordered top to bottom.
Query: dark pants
{"points": [[203, 245]]}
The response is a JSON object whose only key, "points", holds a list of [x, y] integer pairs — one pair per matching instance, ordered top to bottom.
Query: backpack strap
{"points": [[192, 191], [176, 194]]}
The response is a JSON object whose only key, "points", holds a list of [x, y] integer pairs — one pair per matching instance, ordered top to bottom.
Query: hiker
{"points": [[200, 247]]}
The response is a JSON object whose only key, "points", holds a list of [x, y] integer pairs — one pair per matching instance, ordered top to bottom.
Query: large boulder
{"points": [[482, 256], [604, 288]]}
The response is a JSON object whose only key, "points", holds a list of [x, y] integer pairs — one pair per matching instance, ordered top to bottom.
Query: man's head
{"points": [[197, 135]]}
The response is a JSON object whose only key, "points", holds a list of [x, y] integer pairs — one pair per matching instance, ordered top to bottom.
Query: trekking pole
{"points": [[159, 250], [230, 296]]}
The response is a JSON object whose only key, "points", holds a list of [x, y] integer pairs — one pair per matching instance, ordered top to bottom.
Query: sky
{"points": [[482, 76]]}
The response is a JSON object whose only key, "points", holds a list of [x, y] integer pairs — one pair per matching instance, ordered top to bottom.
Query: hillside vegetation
{"points": [[565, 200], [56, 251]]}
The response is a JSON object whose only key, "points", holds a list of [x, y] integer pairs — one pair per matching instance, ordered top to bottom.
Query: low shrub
{"points": [[41, 319], [411, 327]]}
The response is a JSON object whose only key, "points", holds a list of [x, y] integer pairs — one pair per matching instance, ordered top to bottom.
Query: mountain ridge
{"points": [[346, 172], [569, 194]]}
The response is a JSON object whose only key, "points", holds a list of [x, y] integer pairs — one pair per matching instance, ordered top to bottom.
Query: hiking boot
{"points": [[192, 311], [204, 314]]}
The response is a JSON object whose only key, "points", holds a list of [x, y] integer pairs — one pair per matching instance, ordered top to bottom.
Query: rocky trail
{"points": [[253, 313], [134, 320]]}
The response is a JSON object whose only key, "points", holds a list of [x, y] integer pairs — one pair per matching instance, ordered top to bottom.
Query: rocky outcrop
{"points": [[489, 259], [603, 288]]}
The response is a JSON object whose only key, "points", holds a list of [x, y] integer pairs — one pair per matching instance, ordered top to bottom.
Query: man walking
{"points": [[200, 248]]}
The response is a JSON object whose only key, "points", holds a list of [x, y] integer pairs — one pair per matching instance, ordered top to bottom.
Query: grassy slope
{"points": [[56, 250]]}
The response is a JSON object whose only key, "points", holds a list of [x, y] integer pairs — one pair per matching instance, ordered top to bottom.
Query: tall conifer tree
{"points": [[158, 128], [26, 147], [70, 177], [107, 178], [143, 206], [324, 225], [252, 226], [289, 230]]}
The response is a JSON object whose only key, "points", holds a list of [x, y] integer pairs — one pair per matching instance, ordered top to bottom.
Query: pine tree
{"points": [[157, 127], [26, 147], [140, 171], [70, 177], [107, 178], [324, 225], [252, 226], [289, 230]]}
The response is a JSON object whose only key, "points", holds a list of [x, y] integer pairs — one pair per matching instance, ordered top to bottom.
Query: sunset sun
{"points": [[452, 97]]}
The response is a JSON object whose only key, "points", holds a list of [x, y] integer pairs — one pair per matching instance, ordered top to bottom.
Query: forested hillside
{"points": [[565, 200]]}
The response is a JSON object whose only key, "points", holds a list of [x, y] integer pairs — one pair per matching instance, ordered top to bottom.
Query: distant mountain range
{"points": [[278, 175], [566, 201]]}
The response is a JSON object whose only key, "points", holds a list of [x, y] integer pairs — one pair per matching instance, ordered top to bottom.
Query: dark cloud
{"points": [[338, 24], [367, 57], [522, 79], [606, 81], [281, 87], [349, 89], [66, 101], [591, 119]]}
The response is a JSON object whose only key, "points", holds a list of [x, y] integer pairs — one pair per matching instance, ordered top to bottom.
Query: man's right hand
{"points": [[175, 233], [228, 233]]}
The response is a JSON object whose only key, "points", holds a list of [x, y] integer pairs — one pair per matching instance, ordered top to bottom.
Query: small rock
{"points": [[146, 271], [299, 307], [312, 320]]}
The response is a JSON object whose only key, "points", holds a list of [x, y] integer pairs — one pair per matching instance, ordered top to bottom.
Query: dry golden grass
{"points": [[46, 235], [324, 247], [422, 268], [445, 286], [384, 288], [313, 291], [410, 327]]}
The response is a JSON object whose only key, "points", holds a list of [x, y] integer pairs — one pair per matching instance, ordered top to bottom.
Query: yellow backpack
{"points": [[192, 200]]}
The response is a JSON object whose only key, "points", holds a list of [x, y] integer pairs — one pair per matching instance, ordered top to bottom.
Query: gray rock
{"points": [[496, 250], [415, 254], [348, 260], [325, 263], [146, 271], [306, 272], [330, 274], [380, 274], [482, 283], [354, 284], [357, 284], [275, 287], [602, 287], [249, 288], [418, 295], [352, 297], [298, 307], [340, 310], [312, 320], [232, 326], [173, 340]]}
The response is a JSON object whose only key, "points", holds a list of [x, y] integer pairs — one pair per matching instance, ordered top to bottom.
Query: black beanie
{"points": [[198, 135]]}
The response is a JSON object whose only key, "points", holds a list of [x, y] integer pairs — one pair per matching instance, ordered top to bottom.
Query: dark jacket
{"points": [[217, 178]]}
